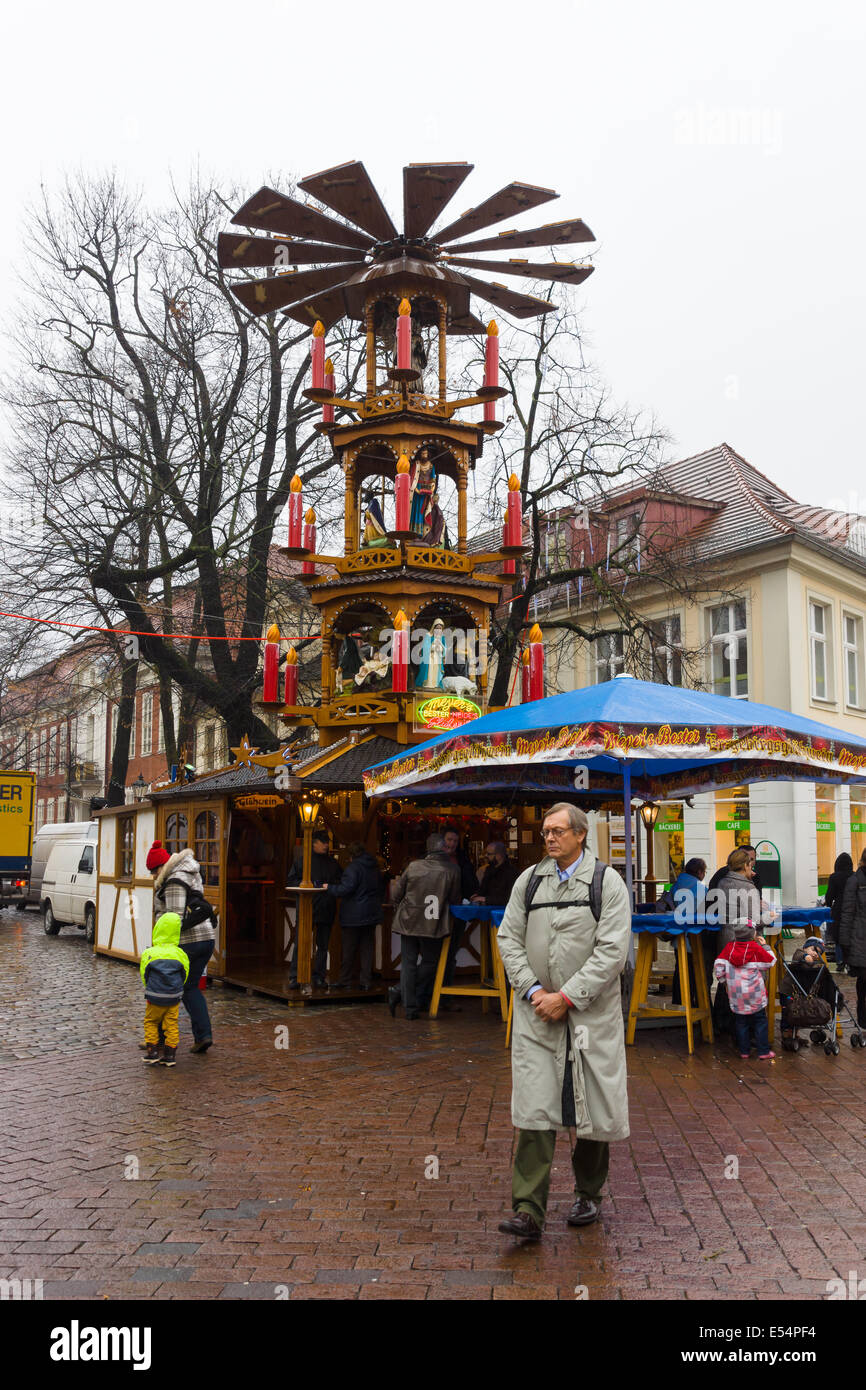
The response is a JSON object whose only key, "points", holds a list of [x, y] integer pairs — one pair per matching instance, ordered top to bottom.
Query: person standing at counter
{"points": [[324, 870], [360, 891]]}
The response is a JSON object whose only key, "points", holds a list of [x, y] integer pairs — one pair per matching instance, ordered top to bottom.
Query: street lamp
{"points": [[139, 787], [308, 812], [649, 813]]}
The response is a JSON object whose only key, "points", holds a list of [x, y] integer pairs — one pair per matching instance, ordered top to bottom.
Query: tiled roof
{"points": [[756, 510], [346, 769], [237, 778]]}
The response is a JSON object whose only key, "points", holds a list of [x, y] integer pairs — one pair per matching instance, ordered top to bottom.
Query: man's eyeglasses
{"points": [[556, 834]]}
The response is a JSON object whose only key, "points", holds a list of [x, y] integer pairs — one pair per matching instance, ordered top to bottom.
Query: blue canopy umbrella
{"points": [[624, 737]]}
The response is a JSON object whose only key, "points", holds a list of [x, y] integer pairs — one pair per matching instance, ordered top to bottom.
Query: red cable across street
{"points": [[132, 632]]}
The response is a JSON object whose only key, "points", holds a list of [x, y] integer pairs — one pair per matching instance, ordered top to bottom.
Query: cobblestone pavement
{"points": [[257, 1171]]}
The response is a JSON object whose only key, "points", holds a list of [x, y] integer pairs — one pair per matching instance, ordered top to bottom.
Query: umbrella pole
{"points": [[626, 798]]}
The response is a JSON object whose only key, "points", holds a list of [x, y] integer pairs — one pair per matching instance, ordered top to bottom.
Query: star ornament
{"points": [[245, 753]]}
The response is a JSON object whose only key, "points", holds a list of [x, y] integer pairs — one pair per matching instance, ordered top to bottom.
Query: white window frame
{"points": [[717, 639], [824, 639], [668, 647], [856, 649], [605, 668], [132, 723], [147, 723]]}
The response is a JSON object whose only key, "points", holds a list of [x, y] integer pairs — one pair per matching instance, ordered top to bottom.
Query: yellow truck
{"points": [[17, 790]]}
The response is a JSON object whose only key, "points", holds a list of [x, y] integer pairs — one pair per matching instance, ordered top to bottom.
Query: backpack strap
{"points": [[593, 902]]}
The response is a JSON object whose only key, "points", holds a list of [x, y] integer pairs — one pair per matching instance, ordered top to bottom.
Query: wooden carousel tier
{"points": [[405, 552]]}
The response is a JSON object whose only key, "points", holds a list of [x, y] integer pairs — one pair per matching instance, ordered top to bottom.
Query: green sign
{"points": [[733, 825], [825, 825], [859, 825], [670, 826]]}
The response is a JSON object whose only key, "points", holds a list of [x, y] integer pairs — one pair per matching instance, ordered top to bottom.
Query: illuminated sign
{"points": [[447, 712], [261, 801]]}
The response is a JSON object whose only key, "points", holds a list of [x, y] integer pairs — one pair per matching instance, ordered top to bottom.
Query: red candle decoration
{"points": [[404, 336], [318, 355], [491, 355], [328, 410], [402, 499], [296, 512], [514, 515], [309, 566], [508, 566], [400, 653], [272, 661], [536, 663], [291, 677], [525, 696]]}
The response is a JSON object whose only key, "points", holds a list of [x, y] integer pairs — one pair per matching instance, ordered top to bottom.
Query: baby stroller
{"points": [[810, 999]]}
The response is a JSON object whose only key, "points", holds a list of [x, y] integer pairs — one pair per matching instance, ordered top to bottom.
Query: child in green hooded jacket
{"points": [[164, 970]]}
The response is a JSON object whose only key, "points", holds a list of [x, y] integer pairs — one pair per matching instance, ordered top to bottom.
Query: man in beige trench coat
{"points": [[568, 1049]]}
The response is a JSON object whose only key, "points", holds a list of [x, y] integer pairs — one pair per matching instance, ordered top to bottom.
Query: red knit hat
{"points": [[156, 856]]}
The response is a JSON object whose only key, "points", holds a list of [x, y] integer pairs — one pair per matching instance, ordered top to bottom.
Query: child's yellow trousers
{"points": [[158, 1016]]}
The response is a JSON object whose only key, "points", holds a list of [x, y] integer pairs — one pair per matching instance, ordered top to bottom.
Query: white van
{"points": [[45, 840], [69, 884]]}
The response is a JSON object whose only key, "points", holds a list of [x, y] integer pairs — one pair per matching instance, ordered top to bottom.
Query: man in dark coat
{"points": [[324, 869], [497, 877], [468, 886], [360, 892], [422, 896], [852, 933]]}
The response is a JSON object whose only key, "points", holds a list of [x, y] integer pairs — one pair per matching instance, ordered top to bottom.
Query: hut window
{"points": [[176, 833], [207, 846], [126, 847]]}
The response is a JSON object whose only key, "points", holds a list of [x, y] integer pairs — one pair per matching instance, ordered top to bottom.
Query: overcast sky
{"points": [[717, 153]]}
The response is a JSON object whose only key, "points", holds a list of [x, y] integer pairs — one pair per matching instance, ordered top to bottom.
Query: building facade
{"points": [[775, 613]]}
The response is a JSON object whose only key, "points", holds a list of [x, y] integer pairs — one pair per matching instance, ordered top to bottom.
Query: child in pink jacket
{"points": [[741, 966]]}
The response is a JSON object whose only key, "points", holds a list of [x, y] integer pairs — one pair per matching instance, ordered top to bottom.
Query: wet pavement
{"points": [[335, 1153]]}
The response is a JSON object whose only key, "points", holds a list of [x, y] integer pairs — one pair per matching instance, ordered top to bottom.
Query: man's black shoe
{"points": [[393, 999], [411, 1014], [584, 1212], [522, 1225]]}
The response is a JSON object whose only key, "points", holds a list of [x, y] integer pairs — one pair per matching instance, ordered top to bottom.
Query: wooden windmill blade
{"points": [[349, 190], [427, 190], [514, 198], [270, 211], [551, 234], [246, 252], [564, 272], [280, 291], [329, 306], [522, 306]]}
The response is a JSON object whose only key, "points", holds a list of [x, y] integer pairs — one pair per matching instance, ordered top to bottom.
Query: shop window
{"points": [[852, 646], [729, 649], [821, 650], [609, 656], [146, 723], [733, 822], [858, 823], [176, 832], [825, 833], [207, 846], [125, 847]]}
